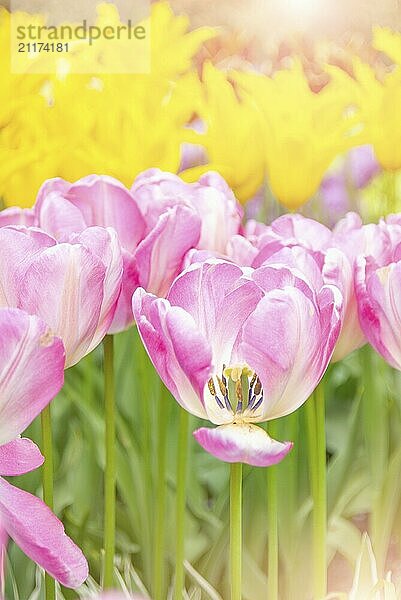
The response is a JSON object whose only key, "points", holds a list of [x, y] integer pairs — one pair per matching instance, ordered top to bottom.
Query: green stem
{"points": [[89, 378], [143, 378], [376, 433], [182, 459], [317, 466], [110, 468], [47, 477], [160, 519], [272, 526], [236, 530]]}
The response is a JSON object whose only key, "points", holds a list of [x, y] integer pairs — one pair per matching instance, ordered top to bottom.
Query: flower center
{"points": [[238, 390]]}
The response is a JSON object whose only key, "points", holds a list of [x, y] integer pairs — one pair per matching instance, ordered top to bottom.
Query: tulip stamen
{"points": [[212, 390], [241, 391]]}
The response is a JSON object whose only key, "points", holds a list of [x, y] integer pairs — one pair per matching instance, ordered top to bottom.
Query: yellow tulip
{"points": [[380, 101], [70, 124], [304, 131], [233, 137]]}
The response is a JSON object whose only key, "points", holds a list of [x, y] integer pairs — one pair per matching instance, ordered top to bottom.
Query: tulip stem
{"points": [[376, 434], [182, 459], [317, 466], [110, 467], [47, 478], [160, 519], [272, 525], [236, 530]]}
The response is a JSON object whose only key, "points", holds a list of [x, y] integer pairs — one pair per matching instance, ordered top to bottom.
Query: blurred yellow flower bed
{"points": [[254, 127]]}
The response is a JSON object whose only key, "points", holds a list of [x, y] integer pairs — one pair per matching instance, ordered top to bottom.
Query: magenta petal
{"points": [[242, 442], [19, 456], [40, 534]]}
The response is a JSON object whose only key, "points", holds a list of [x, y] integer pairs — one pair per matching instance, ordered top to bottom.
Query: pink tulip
{"points": [[213, 201], [297, 229], [355, 240], [153, 245], [305, 245], [334, 253], [329, 267], [74, 286], [378, 287], [238, 347], [31, 374]]}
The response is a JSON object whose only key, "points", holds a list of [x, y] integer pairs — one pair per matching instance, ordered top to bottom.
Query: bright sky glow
{"points": [[303, 8]]}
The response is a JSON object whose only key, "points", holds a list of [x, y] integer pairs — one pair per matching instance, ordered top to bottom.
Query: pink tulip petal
{"points": [[56, 184], [156, 192], [104, 201], [220, 214], [17, 216], [59, 217], [306, 232], [19, 244], [105, 245], [241, 250], [161, 254], [273, 276], [64, 285], [378, 291], [220, 298], [123, 316], [288, 340], [176, 347], [31, 370], [243, 443], [19, 456], [38, 532]]}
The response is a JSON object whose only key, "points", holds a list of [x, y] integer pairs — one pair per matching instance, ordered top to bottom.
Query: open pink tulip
{"points": [[153, 246], [74, 286], [239, 347], [31, 374]]}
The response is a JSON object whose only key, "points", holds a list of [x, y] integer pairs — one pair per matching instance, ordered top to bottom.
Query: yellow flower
{"points": [[16, 89], [380, 100], [71, 124], [304, 131], [233, 138]]}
